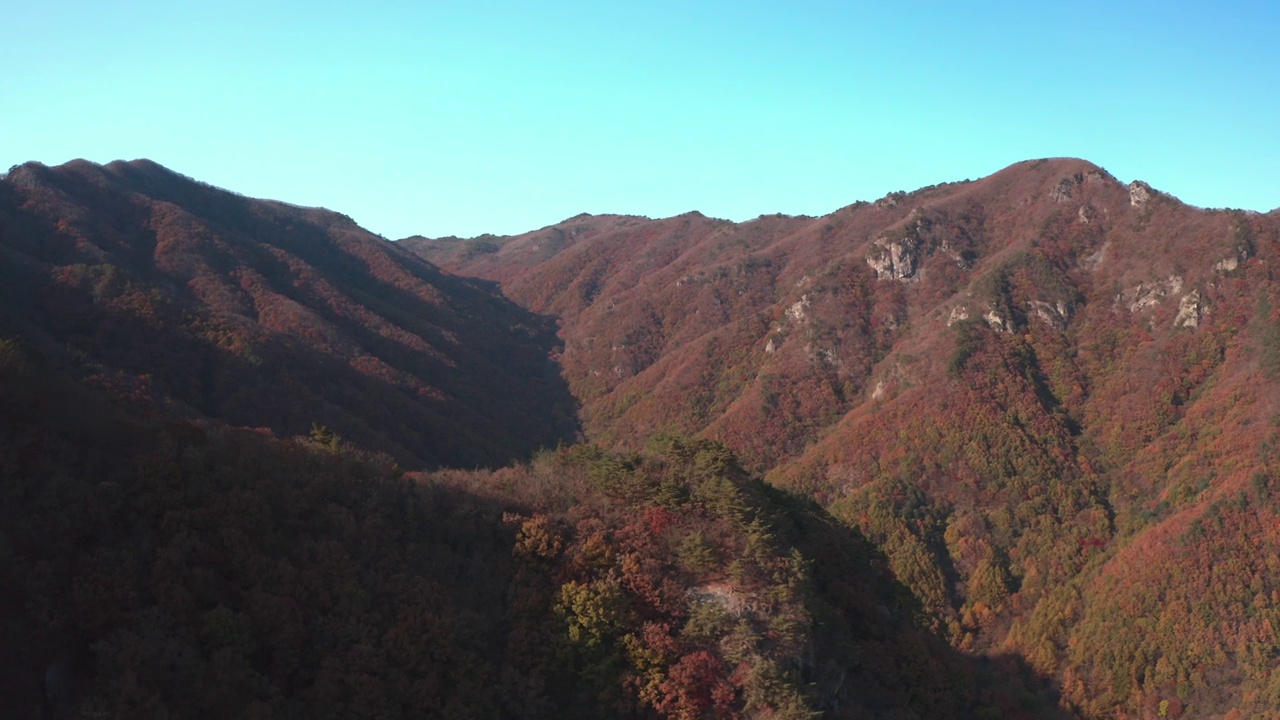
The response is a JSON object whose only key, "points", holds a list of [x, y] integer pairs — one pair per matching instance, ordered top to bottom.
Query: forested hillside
{"points": [[180, 299], [1049, 397], [220, 425], [996, 448], [153, 568]]}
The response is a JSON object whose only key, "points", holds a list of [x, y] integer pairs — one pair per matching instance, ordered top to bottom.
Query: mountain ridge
{"points": [[247, 288], [1028, 389], [1046, 398]]}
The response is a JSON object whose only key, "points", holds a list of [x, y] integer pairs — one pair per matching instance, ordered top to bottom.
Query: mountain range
{"points": [[1030, 418]]}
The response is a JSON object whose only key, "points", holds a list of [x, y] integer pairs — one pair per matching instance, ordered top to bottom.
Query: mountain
{"points": [[184, 300], [1047, 396], [207, 403], [996, 448]]}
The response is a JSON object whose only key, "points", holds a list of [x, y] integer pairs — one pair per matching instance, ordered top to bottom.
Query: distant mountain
{"points": [[185, 300], [1049, 397]]}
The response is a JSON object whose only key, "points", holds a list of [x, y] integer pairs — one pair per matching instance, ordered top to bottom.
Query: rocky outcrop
{"points": [[1066, 188], [1139, 193], [889, 201], [894, 259], [1233, 262], [1147, 295], [798, 310], [1190, 310], [959, 313], [1055, 315], [997, 322], [825, 356], [721, 595]]}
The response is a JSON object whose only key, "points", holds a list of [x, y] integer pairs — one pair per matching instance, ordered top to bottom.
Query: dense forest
{"points": [[1048, 397], [996, 448], [155, 568]]}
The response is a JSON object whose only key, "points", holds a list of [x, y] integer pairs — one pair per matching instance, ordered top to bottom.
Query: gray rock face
{"points": [[1065, 189], [1139, 193], [889, 201], [894, 259], [1232, 263], [1146, 295], [1190, 310], [798, 312], [1055, 315], [997, 322]]}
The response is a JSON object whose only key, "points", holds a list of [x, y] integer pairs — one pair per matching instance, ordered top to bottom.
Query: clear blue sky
{"points": [[460, 118]]}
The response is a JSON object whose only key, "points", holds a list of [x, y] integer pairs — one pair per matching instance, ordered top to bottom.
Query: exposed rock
{"points": [[1094, 176], [1066, 188], [1139, 193], [889, 201], [1085, 216], [958, 257], [894, 259], [1233, 262], [1228, 264], [1149, 294], [1190, 310], [797, 311], [959, 313], [1054, 315], [996, 322], [771, 347], [826, 356], [878, 392], [720, 594]]}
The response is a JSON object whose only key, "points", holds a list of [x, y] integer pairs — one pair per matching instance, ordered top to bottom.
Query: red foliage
{"points": [[658, 519], [697, 687]]}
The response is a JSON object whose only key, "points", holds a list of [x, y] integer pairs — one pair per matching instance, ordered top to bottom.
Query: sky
{"points": [[487, 116]]}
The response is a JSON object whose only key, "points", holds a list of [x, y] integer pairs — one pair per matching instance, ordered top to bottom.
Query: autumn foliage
{"points": [[1055, 415], [1000, 448]]}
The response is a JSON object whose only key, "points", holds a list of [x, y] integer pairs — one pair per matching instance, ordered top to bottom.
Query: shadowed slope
{"points": [[181, 298], [156, 569]]}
